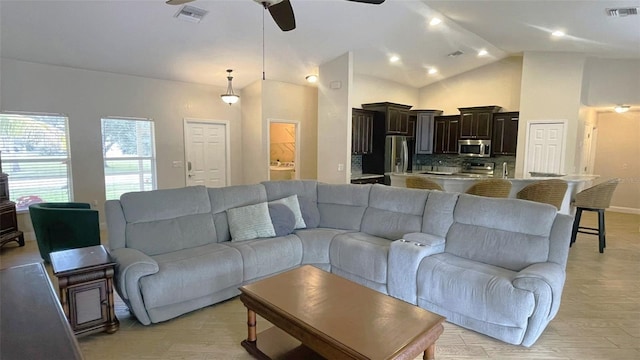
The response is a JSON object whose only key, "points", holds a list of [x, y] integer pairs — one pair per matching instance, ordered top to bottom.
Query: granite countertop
{"points": [[365, 176], [568, 178]]}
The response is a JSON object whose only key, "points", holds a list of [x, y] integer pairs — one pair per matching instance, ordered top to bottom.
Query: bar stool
{"points": [[419, 182], [498, 188], [550, 191], [596, 198]]}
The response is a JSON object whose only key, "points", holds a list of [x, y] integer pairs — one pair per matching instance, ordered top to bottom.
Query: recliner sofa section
{"points": [[496, 266]]}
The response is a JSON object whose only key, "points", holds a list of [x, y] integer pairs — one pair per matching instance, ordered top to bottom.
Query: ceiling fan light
{"points": [[229, 97], [622, 108]]}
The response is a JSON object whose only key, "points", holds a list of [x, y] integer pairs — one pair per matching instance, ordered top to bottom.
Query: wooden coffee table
{"points": [[319, 315]]}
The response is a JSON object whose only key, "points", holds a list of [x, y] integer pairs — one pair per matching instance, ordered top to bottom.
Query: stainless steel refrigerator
{"points": [[396, 154]]}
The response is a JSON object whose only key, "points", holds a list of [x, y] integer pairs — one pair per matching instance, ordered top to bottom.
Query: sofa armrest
{"points": [[405, 256], [131, 265], [545, 281]]}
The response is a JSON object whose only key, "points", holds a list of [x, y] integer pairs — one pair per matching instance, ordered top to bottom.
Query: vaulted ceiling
{"points": [[144, 37]]}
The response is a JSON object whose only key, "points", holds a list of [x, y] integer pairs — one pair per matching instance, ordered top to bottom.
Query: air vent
{"points": [[620, 12], [191, 14], [455, 53]]}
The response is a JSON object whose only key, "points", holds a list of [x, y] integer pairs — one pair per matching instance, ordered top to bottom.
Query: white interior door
{"points": [[545, 150], [206, 153]]}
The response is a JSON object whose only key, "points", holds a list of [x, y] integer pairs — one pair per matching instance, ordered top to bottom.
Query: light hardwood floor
{"points": [[599, 316]]}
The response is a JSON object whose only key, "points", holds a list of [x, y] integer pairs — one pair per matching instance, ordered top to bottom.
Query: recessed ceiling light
{"points": [[435, 21], [558, 33], [483, 52], [394, 58], [432, 71], [312, 78], [621, 108]]}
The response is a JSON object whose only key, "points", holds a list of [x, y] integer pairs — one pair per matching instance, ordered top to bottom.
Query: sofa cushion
{"points": [[307, 191], [230, 197], [292, 203], [166, 204], [342, 206], [393, 212], [438, 213], [282, 218], [250, 222], [509, 233], [164, 236], [315, 244], [361, 254], [263, 257], [191, 273], [473, 289]]}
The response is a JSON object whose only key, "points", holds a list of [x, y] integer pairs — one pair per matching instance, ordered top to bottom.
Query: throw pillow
{"points": [[292, 203], [310, 212], [282, 218], [250, 222]]}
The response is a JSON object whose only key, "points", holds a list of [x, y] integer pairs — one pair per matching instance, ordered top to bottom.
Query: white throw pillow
{"points": [[292, 203], [250, 222]]}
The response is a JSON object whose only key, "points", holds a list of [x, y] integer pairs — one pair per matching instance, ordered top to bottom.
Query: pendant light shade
{"points": [[229, 97]]}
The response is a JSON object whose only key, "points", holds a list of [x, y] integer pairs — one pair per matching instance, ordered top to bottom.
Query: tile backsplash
{"points": [[425, 162]]}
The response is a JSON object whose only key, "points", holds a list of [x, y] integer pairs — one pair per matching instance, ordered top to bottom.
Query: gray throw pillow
{"points": [[310, 213], [282, 218], [250, 222]]}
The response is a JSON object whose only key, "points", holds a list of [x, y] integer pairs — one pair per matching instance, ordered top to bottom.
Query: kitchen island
{"points": [[459, 183]]}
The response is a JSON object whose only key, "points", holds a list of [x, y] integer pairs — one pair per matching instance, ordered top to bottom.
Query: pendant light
{"points": [[229, 97]]}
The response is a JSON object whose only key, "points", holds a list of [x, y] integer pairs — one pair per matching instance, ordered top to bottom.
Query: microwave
{"points": [[474, 148]]}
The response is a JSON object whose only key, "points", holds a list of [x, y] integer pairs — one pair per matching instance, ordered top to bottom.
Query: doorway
{"points": [[545, 148], [284, 150], [207, 155]]}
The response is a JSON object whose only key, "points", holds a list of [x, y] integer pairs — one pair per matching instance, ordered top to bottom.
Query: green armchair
{"points": [[62, 226]]}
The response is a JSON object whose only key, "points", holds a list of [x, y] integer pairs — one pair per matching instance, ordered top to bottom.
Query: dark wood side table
{"points": [[9, 224], [85, 282]]}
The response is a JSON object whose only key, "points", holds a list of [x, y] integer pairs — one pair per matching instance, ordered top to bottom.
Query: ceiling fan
{"points": [[280, 10]]}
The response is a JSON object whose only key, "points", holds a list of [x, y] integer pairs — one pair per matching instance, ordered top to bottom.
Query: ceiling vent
{"points": [[621, 12], [191, 14], [455, 53]]}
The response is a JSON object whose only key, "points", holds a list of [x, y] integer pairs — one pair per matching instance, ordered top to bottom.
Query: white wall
{"points": [[612, 82], [498, 83], [369, 89], [551, 90], [87, 96], [268, 99], [286, 101], [334, 120], [253, 134], [617, 154]]}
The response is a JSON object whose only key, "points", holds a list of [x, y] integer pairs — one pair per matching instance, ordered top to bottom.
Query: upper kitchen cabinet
{"points": [[396, 116], [476, 122], [446, 130], [362, 131], [424, 132], [505, 133]]}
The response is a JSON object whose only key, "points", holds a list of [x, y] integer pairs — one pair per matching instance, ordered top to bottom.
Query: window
{"points": [[128, 148], [35, 155]]}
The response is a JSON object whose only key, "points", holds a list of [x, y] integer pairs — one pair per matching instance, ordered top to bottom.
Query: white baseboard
{"points": [[625, 210]]}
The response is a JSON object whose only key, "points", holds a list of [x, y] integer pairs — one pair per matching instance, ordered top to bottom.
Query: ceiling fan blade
{"points": [[178, 2], [375, 2], [282, 14]]}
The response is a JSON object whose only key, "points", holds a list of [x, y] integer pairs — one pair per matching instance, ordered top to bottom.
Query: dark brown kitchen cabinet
{"points": [[396, 116], [413, 119], [476, 122], [425, 130], [446, 130], [362, 132], [505, 133]]}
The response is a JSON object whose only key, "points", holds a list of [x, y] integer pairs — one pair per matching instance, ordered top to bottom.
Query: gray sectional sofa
{"points": [[496, 266]]}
